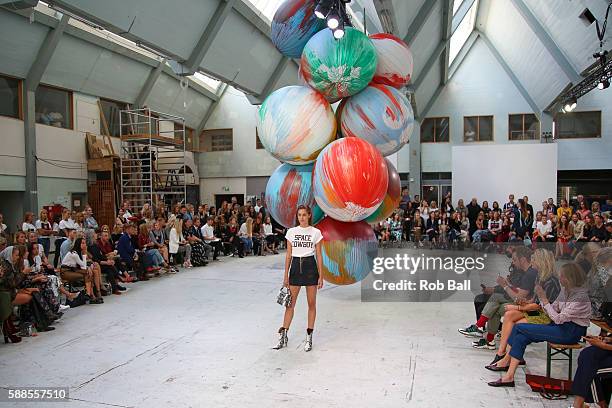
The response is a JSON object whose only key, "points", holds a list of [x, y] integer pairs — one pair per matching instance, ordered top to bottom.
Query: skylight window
{"points": [[456, 6], [266, 7], [463, 30], [207, 81]]}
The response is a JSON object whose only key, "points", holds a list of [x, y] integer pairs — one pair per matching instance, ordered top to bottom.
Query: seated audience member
{"points": [[511, 204], [552, 206], [447, 207], [461, 208], [496, 208], [595, 208], [564, 209], [582, 209], [424, 210], [473, 211], [522, 220], [28, 223], [89, 223], [433, 226], [495, 226], [577, 226], [3, 227], [396, 227], [418, 227], [454, 227], [44, 228], [542, 229], [597, 232], [481, 233], [246, 234], [564, 234], [208, 235], [158, 236], [269, 236], [233, 238], [68, 243], [258, 243], [177, 244], [106, 247], [125, 247], [200, 251], [152, 259], [45, 264], [107, 266], [75, 268], [598, 275], [35, 276], [496, 304], [530, 310], [36, 312], [570, 314], [587, 384]]}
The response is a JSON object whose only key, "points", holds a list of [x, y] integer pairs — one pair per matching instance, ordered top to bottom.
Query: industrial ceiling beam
{"points": [[386, 14], [419, 20], [447, 22], [208, 36], [546, 40], [46, 51], [463, 52], [433, 59], [273, 80], [149, 83], [517, 83], [430, 103], [210, 111]]}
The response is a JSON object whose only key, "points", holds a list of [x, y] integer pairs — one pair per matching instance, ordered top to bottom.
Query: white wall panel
{"points": [[405, 12], [428, 39], [19, 43], [12, 154], [536, 177]]}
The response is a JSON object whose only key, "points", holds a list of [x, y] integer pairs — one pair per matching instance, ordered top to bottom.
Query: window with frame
{"points": [[10, 97], [53, 107], [110, 111], [577, 125], [523, 126], [478, 128], [435, 130], [217, 140], [258, 144]]}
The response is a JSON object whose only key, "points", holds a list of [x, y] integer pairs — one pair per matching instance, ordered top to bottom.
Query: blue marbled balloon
{"points": [[294, 23]]}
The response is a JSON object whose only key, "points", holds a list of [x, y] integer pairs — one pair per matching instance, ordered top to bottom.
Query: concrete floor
{"points": [[202, 338]]}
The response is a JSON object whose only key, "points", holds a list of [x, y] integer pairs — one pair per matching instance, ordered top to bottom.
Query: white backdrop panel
{"points": [[491, 172]]}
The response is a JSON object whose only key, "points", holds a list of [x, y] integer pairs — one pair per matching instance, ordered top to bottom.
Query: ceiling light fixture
{"points": [[334, 12], [603, 84], [570, 105]]}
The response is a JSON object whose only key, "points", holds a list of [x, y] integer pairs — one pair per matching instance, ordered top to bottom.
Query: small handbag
{"points": [[284, 297]]}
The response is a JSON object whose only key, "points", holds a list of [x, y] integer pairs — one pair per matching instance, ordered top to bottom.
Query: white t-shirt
{"points": [[69, 223], [44, 225], [27, 227], [544, 228], [268, 229], [207, 231], [303, 240]]}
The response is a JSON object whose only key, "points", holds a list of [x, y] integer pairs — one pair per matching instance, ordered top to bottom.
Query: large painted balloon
{"points": [[294, 23], [395, 61], [339, 68], [380, 114], [295, 123], [350, 179], [288, 187], [392, 198], [348, 250]]}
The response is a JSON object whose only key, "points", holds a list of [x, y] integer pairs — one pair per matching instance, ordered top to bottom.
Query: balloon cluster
{"points": [[335, 163]]}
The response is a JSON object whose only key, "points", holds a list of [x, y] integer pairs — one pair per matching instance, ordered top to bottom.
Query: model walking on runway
{"points": [[302, 269]]}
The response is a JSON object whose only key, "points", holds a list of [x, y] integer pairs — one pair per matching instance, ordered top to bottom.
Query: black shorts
{"points": [[303, 271]]}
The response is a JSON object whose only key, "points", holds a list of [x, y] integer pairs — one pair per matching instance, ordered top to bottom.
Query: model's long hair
{"points": [[308, 211]]}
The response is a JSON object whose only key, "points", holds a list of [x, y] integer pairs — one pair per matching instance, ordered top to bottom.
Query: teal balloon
{"points": [[338, 68]]}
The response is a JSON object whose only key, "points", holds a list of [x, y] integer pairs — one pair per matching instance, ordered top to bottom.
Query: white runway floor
{"points": [[202, 338]]}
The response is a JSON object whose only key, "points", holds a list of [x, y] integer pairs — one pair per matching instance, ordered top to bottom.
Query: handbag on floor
{"points": [[284, 297], [548, 387]]}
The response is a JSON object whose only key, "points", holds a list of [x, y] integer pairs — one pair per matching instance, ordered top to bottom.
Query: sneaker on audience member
{"points": [[63, 307], [472, 331], [484, 344]]}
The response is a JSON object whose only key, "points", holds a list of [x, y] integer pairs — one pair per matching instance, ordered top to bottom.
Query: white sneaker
{"points": [[63, 307], [308, 343]]}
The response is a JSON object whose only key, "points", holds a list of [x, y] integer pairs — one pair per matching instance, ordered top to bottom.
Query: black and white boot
{"points": [[282, 339], [308, 342]]}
